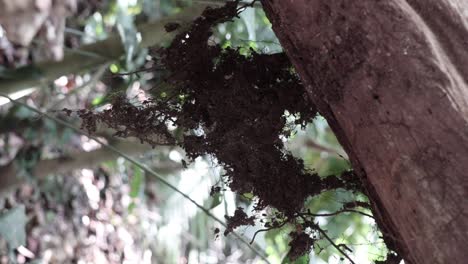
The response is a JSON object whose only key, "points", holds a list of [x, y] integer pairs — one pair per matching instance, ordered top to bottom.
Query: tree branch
{"points": [[8, 173], [337, 213], [324, 234]]}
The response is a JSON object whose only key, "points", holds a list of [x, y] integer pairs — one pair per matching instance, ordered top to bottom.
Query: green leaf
{"points": [[114, 68], [97, 101], [23, 112], [136, 183], [248, 196], [216, 201], [131, 207], [13, 226], [301, 260]]}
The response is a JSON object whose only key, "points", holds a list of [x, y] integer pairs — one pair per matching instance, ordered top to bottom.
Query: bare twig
{"points": [[254, 3], [137, 71], [312, 144], [337, 213], [266, 230], [324, 234]]}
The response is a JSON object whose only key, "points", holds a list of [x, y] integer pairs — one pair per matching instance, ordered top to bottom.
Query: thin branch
{"points": [[254, 3], [79, 33], [261, 41], [137, 71], [312, 144], [75, 161], [141, 166], [358, 212], [337, 213], [266, 230], [324, 234], [345, 247]]}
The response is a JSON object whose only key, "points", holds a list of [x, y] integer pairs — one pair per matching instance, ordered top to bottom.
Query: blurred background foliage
{"points": [[66, 200]]}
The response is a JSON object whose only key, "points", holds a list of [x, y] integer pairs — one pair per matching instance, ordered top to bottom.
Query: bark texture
{"points": [[391, 79]]}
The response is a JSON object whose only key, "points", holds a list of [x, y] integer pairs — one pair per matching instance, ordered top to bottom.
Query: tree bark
{"points": [[391, 79]]}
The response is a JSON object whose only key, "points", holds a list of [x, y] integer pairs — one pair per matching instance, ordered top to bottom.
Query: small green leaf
{"points": [[114, 68], [97, 101], [23, 113], [136, 183], [248, 196], [216, 201], [131, 207], [12, 226], [301, 260]]}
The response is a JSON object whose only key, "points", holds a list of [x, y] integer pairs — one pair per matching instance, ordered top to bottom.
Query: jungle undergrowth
{"points": [[232, 106]]}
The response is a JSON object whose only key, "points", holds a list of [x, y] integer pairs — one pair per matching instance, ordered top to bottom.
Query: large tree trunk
{"points": [[391, 79]]}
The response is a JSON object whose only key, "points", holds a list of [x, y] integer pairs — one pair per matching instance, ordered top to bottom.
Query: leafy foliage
{"points": [[12, 227]]}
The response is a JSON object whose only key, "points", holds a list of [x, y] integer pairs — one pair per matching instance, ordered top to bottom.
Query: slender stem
{"points": [[254, 3], [79, 33], [137, 71], [141, 166], [338, 212], [267, 229], [324, 234]]}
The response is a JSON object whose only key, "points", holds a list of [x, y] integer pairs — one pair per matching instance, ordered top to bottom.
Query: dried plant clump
{"points": [[238, 102], [231, 106], [146, 121], [240, 218], [301, 243]]}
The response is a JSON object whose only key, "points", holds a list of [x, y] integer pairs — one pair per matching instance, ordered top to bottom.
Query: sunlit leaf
{"points": [[114, 68], [97, 100], [248, 196]]}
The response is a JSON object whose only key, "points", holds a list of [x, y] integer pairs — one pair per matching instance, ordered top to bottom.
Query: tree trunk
{"points": [[391, 79]]}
